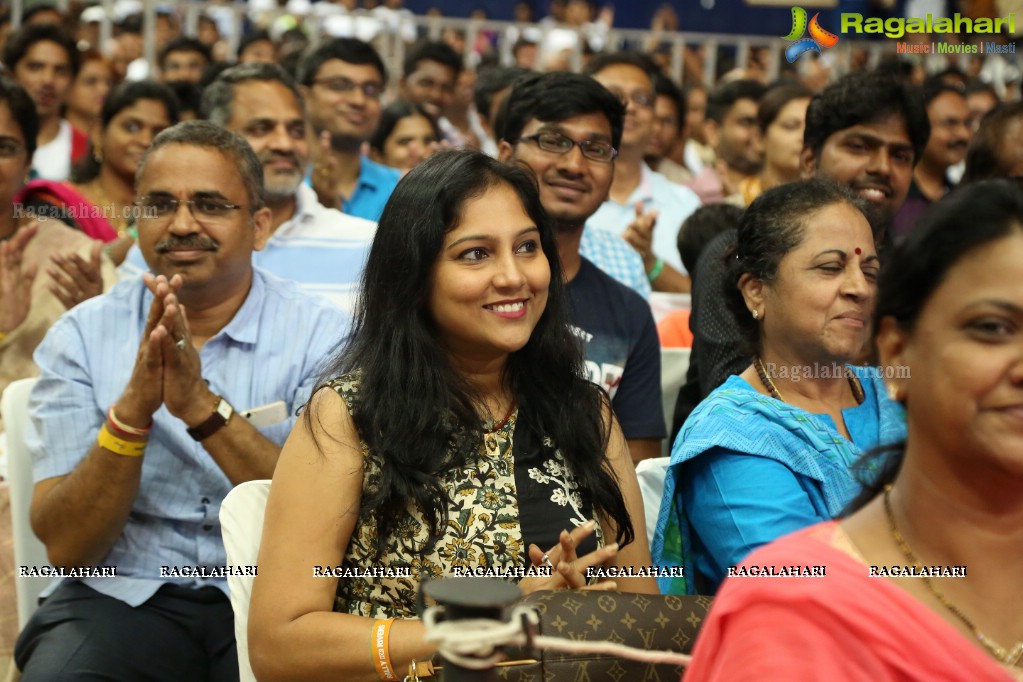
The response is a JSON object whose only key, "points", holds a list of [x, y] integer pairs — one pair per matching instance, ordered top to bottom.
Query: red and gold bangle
{"points": [[122, 429], [381, 653]]}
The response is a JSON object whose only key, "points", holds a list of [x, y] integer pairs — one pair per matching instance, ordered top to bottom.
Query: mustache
{"points": [[277, 156], [193, 242]]}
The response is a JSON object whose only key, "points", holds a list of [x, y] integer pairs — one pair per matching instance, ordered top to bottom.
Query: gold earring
{"points": [[98, 155], [756, 316], [893, 392]]}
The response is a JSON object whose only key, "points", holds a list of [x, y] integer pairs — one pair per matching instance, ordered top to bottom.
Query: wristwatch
{"points": [[222, 412]]}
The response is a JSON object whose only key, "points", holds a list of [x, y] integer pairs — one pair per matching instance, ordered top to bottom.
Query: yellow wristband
{"points": [[109, 441], [381, 655]]}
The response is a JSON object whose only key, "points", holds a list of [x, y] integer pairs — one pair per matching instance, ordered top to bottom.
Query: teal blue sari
{"points": [[738, 419]]}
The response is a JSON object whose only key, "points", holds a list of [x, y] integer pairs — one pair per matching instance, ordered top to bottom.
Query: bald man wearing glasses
{"points": [[153, 402]]}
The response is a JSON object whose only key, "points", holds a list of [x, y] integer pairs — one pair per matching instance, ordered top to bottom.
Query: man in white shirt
{"points": [[44, 60], [644, 206], [321, 248]]}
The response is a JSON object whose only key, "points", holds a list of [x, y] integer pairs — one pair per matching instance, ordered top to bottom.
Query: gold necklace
{"points": [[110, 209], [765, 379], [1009, 657]]}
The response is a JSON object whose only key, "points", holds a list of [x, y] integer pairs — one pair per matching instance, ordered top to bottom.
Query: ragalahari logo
{"points": [[819, 38]]}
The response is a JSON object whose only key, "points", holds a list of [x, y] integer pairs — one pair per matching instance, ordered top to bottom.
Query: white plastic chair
{"points": [[674, 365], [651, 473], [241, 522], [28, 550]]}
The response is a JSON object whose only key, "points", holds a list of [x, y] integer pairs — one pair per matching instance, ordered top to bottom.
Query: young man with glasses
{"points": [[342, 80], [566, 128], [644, 206], [134, 432]]}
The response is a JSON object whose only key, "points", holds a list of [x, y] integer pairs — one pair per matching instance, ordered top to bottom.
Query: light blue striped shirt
{"points": [[674, 204], [321, 248], [616, 257], [272, 350]]}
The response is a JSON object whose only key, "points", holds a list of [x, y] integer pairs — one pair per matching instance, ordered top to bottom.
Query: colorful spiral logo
{"points": [[819, 38]]}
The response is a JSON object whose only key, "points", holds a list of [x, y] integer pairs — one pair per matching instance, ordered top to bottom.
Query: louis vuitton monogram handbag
{"points": [[643, 621]]}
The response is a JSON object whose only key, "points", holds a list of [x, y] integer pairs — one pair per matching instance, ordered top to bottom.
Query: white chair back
{"points": [[674, 365], [650, 473], [241, 522], [28, 550]]}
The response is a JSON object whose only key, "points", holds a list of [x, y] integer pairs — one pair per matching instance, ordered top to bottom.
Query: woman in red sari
{"points": [[948, 510]]}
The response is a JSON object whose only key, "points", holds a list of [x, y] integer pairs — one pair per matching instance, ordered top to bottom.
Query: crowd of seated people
{"points": [[434, 287]]}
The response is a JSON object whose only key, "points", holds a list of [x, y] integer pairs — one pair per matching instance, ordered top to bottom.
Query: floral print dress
{"points": [[498, 503]]}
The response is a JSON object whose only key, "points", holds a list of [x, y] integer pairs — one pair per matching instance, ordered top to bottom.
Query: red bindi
{"points": [[858, 251]]}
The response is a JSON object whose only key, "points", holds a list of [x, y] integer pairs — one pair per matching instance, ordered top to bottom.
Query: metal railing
{"points": [[392, 47]]}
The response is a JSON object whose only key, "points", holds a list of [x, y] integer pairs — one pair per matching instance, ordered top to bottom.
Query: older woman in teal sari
{"points": [[774, 449]]}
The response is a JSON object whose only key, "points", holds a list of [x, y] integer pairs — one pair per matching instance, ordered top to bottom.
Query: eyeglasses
{"points": [[344, 86], [640, 99], [556, 143], [10, 148], [204, 210]]}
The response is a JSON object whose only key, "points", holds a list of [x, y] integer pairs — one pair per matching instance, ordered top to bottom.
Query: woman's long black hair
{"points": [[967, 219], [413, 409]]}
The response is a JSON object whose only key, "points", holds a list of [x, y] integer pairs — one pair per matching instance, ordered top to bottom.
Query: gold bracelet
{"points": [[109, 441]]}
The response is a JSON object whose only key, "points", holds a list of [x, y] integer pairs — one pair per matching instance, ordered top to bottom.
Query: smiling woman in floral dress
{"points": [[457, 433]]}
